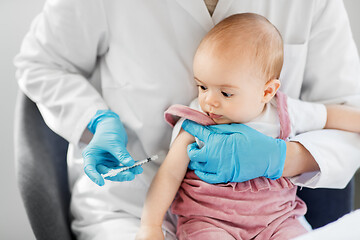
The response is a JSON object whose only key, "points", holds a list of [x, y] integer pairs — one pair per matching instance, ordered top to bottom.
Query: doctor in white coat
{"points": [[135, 58]]}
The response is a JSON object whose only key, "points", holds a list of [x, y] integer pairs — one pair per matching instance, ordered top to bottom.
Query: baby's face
{"points": [[229, 89]]}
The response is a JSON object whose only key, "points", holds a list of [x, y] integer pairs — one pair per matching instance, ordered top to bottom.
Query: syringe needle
{"points": [[114, 172]]}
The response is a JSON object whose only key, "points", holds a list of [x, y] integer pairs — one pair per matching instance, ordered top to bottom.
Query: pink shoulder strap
{"points": [[282, 109]]}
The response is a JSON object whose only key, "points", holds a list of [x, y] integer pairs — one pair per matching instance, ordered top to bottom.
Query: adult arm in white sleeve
{"points": [[57, 57], [332, 75]]}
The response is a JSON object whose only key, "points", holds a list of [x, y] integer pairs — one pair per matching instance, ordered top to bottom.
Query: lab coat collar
{"points": [[197, 9]]}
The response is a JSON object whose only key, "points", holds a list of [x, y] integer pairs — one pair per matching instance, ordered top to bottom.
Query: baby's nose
{"points": [[212, 100]]}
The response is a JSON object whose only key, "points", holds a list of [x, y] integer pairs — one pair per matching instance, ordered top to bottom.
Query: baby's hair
{"points": [[250, 34]]}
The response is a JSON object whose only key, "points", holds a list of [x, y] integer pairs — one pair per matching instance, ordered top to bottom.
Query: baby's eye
{"points": [[202, 87], [226, 94]]}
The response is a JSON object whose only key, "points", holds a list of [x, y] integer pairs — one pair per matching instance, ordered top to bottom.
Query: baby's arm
{"points": [[343, 118], [164, 188]]}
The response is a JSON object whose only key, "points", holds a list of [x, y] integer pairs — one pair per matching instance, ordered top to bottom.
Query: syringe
{"points": [[113, 172]]}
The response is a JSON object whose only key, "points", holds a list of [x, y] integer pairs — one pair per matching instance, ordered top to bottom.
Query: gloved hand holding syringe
{"points": [[107, 151], [114, 172]]}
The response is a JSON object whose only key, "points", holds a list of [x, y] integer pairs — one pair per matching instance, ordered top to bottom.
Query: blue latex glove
{"points": [[107, 149], [234, 153]]}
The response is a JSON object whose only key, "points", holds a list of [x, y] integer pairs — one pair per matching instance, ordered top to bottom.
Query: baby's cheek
{"points": [[201, 102], [242, 114]]}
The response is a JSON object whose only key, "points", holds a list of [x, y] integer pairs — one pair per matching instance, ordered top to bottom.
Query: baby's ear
{"points": [[270, 89]]}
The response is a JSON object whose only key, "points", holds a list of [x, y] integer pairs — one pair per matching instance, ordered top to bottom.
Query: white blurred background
{"points": [[15, 19]]}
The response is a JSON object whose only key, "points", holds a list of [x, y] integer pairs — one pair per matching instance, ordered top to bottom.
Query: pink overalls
{"points": [[257, 209]]}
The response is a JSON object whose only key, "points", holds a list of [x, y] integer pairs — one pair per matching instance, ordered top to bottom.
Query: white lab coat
{"points": [[142, 52], [346, 227]]}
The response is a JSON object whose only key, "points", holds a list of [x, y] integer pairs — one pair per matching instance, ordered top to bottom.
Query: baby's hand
{"points": [[150, 233]]}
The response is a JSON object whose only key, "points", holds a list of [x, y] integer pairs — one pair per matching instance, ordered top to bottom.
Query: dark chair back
{"points": [[41, 169], [327, 205]]}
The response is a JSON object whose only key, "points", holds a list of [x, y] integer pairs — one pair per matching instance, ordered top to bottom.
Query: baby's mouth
{"points": [[214, 116]]}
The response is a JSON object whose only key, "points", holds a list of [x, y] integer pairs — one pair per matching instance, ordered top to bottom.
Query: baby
{"points": [[236, 68]]}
